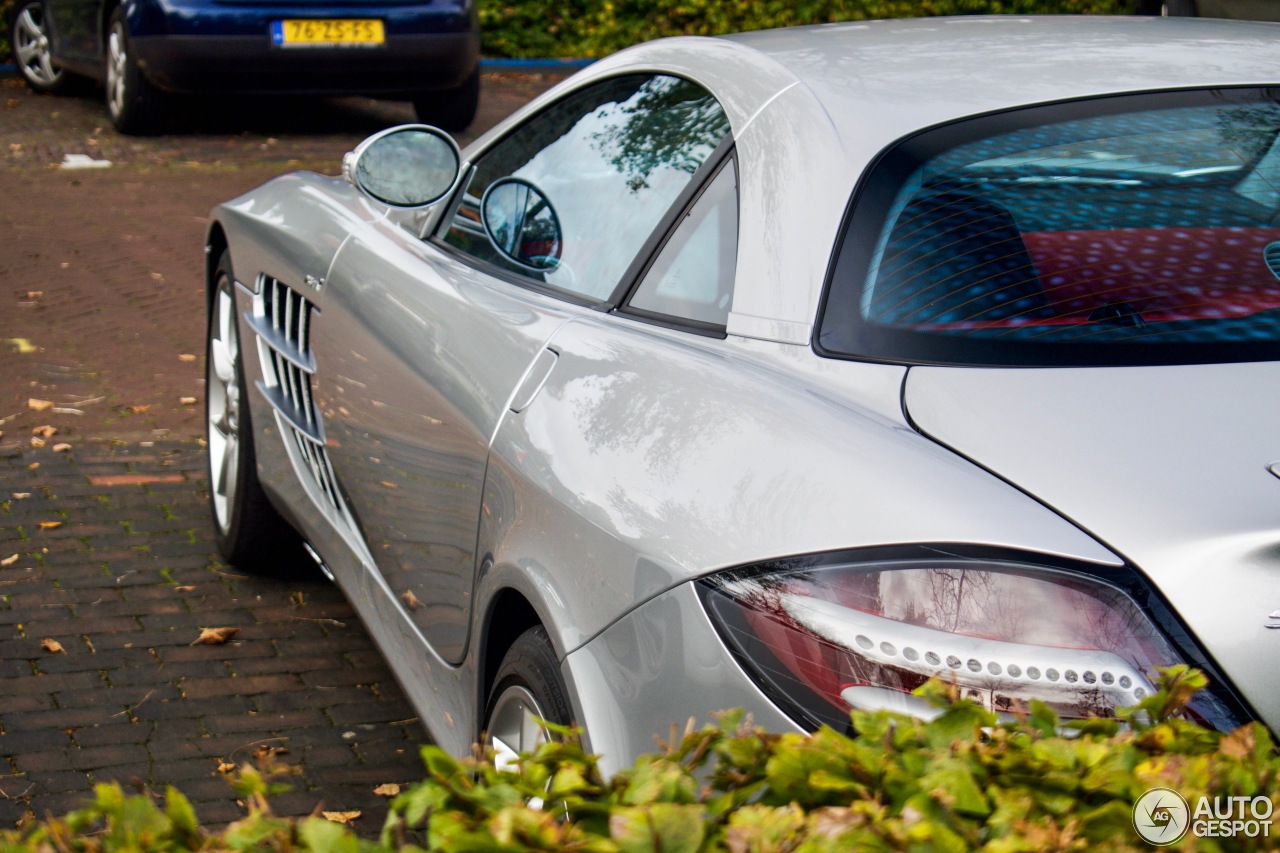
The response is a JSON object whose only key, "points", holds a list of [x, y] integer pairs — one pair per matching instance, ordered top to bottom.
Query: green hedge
{"points": [[595, 28], [963, 781]]}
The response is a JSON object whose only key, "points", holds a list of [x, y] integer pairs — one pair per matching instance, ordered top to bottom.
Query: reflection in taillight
{"points": [[823, 640]]}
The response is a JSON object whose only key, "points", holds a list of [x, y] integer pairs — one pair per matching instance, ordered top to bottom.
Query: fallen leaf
{"points": [[156, 276], [35, 294], [23, 346], [186, 356], [187, 401], [39, 405], [67, 410], [137, 410], [45, 431], [37, 442], [62, 447], [33, 466], [389, 484], [21, 496], [50, 525], [9, 561], [183, 588], [409, 600], [215, 636], [52, 646], [266, 750], [225, 767], [389, 790], [341, 817]]}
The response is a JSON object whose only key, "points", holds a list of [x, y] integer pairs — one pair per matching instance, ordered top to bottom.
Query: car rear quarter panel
{"points": [[651, 457]]}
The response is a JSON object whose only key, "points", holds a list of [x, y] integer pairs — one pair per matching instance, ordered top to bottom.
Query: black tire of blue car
{"points": [[29, 43], [135, 106], [450, 109], [251, 535], [528, 676]]}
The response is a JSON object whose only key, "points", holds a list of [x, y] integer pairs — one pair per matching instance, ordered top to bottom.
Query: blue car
{"points": [[144, 51]]}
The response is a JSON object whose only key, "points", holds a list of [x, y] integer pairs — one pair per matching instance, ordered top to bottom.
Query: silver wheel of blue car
{"points": [[29, 40], [134, 105], [250, 534]]}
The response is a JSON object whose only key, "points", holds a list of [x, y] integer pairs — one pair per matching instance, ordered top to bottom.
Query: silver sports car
{"points": [[784, 372]]}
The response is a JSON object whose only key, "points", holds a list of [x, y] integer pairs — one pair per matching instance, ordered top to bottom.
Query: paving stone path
{"points": [[107, 566]]}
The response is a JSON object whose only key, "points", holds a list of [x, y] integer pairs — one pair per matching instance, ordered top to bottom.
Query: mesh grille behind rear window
{"points": [[1127, 230]]}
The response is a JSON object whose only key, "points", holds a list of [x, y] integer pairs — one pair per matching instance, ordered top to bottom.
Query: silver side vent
{"points": [[1271, 255], [282, 320]]}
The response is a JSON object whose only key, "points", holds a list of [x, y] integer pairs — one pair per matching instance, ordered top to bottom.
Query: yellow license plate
{"points": [[320, 32]]}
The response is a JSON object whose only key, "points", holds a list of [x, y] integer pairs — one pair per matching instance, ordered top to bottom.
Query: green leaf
{"points": [[658, 828], [325, 836]]}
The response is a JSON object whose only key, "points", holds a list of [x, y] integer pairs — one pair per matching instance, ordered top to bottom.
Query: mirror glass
{"points": [[407, 167], [522, 224]]}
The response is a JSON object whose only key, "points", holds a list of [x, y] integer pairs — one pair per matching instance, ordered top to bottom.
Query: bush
{"points": [[595, 28], [962, 781]]}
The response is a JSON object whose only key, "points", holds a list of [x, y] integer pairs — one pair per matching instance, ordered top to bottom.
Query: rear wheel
{"points": [[29, 41], [135, 106], [450, 109], [249, 532], [526, 691]]}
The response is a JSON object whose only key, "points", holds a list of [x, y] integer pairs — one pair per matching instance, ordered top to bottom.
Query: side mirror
{"points": [[412, 165], [521, 224]]}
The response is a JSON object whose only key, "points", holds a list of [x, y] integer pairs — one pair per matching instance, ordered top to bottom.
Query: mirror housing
{"points": [[409, 166], [521, 224]]}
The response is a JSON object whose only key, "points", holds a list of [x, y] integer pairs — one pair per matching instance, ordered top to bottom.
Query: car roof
{"points": [[912, 73], [811, 107]]}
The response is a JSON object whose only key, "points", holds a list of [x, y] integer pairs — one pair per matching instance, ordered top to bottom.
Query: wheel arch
{"points": [[214, 245], [509, 615]]}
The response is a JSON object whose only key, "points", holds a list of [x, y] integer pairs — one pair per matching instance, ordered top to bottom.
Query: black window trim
{"points": [[989, 123], [725, 156], [644, 257]]}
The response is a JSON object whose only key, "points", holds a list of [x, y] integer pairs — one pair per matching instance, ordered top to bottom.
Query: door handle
{"points": [[534, 378]]}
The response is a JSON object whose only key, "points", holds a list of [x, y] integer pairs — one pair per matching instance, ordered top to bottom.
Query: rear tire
{"points": [[29, 43], [135, 106], [450, 109], [250, 534], [526, 689]]}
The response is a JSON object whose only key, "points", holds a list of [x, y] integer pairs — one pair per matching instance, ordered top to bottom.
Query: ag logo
{"points": [[1161, 816]]}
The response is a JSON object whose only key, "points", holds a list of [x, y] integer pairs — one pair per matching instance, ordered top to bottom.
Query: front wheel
{"points": [[29, 41], [134, 105], [450, 109], [250, 534], [527, 690]]}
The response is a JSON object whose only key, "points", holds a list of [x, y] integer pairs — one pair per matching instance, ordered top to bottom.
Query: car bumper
{"points": [[252, 65], [657, 667]]}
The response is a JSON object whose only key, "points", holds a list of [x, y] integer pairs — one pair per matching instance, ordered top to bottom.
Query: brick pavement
{"points": [[100, 297], [124, 585]]}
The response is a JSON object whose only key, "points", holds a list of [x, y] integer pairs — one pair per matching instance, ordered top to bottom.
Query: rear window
{"points": [[1125, 230]]}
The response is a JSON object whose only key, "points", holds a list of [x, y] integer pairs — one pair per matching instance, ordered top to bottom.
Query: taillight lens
{"points": [[822, 639]]}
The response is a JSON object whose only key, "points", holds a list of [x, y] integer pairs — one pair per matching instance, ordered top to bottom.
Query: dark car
{"points": [[143, 51]]}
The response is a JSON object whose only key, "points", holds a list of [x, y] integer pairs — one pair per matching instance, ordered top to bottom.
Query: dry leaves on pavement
{"points": [[39, 405], [50, 525], [214, 636], [52, 646], [391, 789], [342, 817]]}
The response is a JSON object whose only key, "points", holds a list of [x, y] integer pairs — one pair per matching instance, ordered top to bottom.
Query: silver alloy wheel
{"points": [[31, 47], [117, 68], [223, 428], [515, 726]]}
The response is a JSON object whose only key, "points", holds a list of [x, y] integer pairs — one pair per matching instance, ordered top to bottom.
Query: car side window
{"points": [[568, 199], [691, 279]]}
